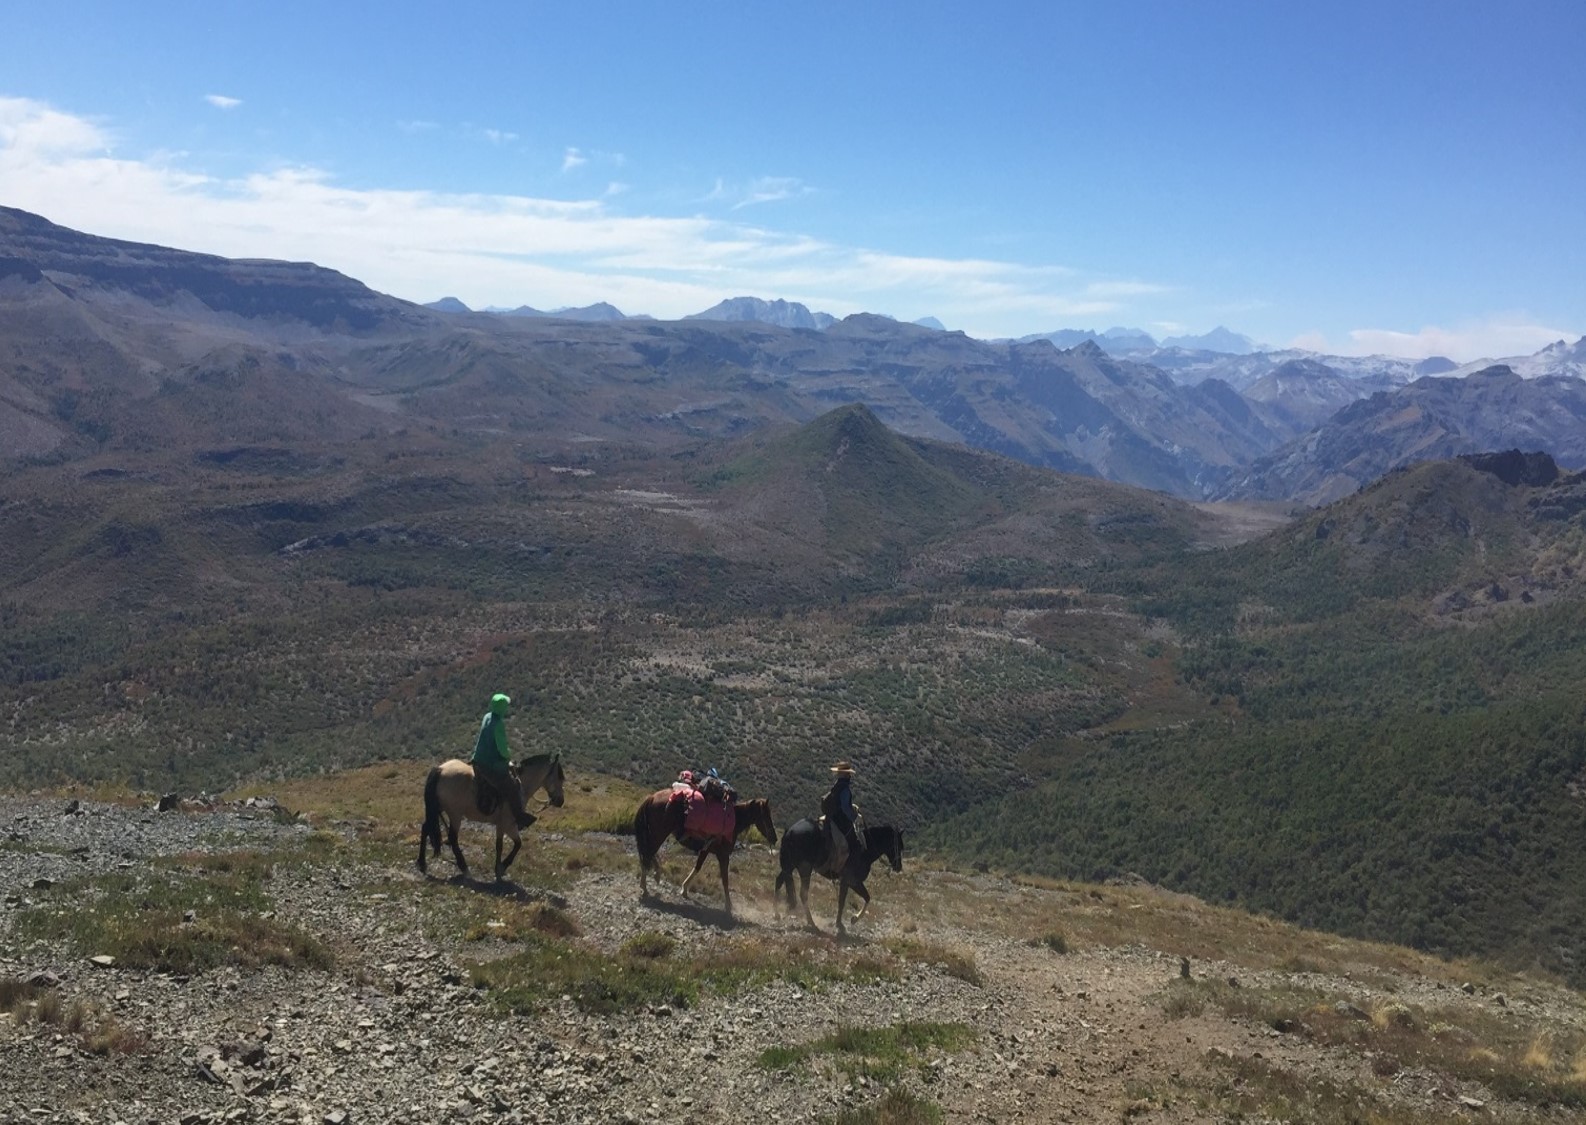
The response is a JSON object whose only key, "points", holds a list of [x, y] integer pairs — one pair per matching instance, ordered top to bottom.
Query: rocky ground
{"points": [[1074, 999]]}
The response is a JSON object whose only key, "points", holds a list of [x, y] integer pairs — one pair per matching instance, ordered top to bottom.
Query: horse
{"points": [[452, 789], [659, 816], [804, 849]]}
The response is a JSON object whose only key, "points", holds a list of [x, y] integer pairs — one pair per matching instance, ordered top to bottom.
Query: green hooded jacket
{"points": [[490, 750]]}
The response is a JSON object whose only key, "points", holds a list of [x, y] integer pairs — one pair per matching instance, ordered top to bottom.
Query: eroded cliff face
{"points": [[89, 268]]}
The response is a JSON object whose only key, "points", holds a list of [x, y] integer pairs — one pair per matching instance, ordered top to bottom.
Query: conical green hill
{"points": [[857, 485]]}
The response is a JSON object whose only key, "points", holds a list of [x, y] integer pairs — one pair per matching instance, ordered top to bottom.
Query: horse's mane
{"points": [[538, 759]]}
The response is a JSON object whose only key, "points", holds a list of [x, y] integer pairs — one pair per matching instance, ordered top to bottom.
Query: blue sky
{"points": [[1395, 177]]}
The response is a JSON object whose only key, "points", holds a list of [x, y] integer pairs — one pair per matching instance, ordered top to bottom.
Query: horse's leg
{"points": [[452, 824], [430, 829], [641, 840], [517, 842], [698, 863], [859, 889], [726, 891], [804, 895], [842, 900]]}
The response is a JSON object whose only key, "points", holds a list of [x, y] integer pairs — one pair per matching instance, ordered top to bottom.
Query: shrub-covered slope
{"points": [[1403, 745]]}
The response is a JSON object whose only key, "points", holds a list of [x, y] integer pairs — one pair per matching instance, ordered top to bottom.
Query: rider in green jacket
{"points": [[493, 764]]}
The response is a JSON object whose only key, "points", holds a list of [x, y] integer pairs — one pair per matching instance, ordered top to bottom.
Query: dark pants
{"points": [[505, 786]]}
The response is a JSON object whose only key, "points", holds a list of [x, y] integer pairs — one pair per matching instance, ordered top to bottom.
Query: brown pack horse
{"points": [[451, 789], [659, 817]]}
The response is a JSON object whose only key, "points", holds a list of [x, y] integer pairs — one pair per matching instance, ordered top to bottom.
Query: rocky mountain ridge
{"points": [[107, 345], [1430, 419]]}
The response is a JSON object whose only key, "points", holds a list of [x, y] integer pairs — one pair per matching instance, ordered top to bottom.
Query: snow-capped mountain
{"points": [[784, 314], [1558, 358]]}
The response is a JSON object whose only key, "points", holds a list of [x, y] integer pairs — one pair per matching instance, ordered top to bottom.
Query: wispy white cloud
{"points": [[221, 101], [417, 126], [498, 136], [573, 159], [766, 189], [772, 189], [512, 249], [1125, 289], [1495, 337]]}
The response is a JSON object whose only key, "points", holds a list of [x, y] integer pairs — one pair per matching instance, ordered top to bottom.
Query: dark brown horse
{"points": [[659, 817], [805, 850]]}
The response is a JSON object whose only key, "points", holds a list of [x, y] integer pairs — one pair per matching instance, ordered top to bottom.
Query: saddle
{"points": [[485, 795], [837, 844]]}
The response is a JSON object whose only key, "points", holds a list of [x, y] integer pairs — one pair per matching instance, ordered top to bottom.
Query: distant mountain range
{"points": [[599, 311], [783, 314], [1126, 341], [108, 345], [1559, 358], [1431, 419]]}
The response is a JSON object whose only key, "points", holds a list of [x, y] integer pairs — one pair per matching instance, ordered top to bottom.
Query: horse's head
{"points": [[555, 778], [762, 818], [895, 850]]}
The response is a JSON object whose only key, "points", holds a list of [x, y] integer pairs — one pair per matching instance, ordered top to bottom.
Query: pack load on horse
{"points": [[489, 789], [706, 820], [838, 847]]}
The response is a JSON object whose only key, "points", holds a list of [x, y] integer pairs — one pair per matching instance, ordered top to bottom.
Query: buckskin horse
{"points": [[451, 789], [659, 816], [804, 849]]}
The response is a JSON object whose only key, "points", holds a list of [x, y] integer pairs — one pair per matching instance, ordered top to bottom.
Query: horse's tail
{"points": [[431, 828], [641, 834], [784, 879]]}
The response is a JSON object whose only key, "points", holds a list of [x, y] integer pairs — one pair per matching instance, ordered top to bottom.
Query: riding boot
{"points": [[507, 788], [515, 799]]}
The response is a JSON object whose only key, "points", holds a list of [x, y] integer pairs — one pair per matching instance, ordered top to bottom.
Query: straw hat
{"points": [[843, 768]]}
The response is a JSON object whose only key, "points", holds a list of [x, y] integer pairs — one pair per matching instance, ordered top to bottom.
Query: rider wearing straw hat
{"points": [[837, 808]]}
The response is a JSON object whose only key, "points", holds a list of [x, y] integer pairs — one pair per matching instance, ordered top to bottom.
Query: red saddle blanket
{"points": [[705, 819]]}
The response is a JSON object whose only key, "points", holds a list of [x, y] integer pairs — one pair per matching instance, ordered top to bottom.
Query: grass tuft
{"points": [[1054, 940], [650, 945], [955, 961], [16, 995], [1181, 1000], [99, 1034], [877, 1053], [896, 1107]]}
